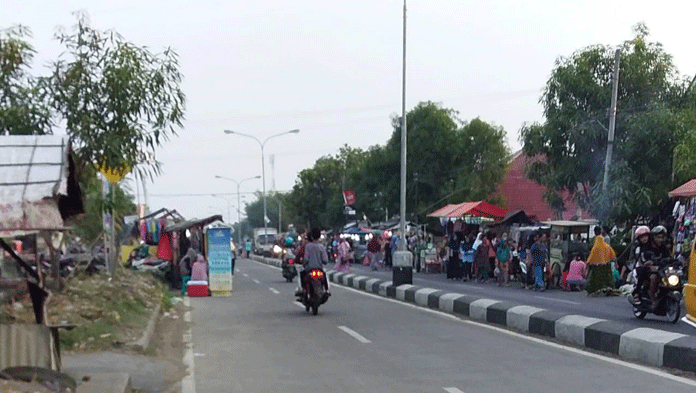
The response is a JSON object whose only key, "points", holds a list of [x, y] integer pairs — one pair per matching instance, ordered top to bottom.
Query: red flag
{"points": [[349, 197]]}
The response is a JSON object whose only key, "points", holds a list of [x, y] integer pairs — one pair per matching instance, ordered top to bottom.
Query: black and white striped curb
{"points": [[652, 346]]}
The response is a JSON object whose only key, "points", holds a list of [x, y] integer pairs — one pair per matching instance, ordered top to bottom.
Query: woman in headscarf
{"points": [[481, 257], [343, 262], [185, 268], [199, 272], [600, 274]]}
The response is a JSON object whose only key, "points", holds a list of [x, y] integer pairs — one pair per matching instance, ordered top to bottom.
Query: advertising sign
{"points": [[349, 197], [220, 261]]}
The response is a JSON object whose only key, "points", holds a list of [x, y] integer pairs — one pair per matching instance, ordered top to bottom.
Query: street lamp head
{"points": [[295, 131], [229, 132], [218, 177], [256, 177]]}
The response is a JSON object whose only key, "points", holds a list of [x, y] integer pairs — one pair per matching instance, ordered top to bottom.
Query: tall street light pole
{"points": [[263, 170], [239, 203], [402, 272]]}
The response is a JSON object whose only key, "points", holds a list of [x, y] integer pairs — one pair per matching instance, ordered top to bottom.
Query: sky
{"points": [[333, 70]]}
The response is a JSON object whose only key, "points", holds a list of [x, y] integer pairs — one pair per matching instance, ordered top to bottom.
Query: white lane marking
{"points": [[237, 270], [245, 275], [256, 281], [274, 290], [556, 300], [187, 302], [298, 304], [187, 316], [688, 322], [355, 334], [198, 355], [644, 369], [188, 384], [452, 390]]}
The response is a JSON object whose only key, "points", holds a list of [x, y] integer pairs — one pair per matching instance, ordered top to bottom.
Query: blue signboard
{"points": [[220, 260]]}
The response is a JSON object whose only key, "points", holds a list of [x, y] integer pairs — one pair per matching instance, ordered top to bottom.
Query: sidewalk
{"points": [[646, 345]]}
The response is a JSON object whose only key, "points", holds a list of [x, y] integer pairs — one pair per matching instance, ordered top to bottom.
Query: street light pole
{"points": [[263, 169], [239, 203]]}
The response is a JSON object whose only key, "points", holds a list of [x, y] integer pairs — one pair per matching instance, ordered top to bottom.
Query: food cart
{"points": [[567, 238]]}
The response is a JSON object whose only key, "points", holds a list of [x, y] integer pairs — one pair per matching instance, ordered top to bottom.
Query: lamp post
{"points": [[263, 169], [239, 203]]}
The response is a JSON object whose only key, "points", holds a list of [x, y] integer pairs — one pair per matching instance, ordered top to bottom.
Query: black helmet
{"points": [[659, 230]]}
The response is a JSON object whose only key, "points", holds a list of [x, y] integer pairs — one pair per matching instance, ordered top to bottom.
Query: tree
{"points": [[119, 100], [24, 109], [568, 149]]}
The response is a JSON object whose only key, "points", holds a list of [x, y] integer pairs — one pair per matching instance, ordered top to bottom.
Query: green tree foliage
{"points": [[119, 100], [24, 109], [569, 147], [448, 161]]}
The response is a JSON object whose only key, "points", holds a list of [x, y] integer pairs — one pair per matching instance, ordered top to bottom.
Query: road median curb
{"points": [[651, 346]]}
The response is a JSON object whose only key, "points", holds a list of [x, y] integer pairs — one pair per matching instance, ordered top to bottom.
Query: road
{"points": [[613, 308], [260, 340]]}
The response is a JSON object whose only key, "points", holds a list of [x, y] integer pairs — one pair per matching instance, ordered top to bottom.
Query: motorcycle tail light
{"points": [[290, 261], [316, 274]]}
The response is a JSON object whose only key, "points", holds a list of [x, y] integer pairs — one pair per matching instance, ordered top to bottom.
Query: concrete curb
{"points": [[144, 341], [652, 346]]}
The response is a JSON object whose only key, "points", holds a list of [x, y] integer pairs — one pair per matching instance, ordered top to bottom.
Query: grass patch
{"points": [[167, 296], [90, 333]]}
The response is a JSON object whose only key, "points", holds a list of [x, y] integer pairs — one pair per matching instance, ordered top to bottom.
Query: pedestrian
{"points": [[247, 248], [373, 248], [387, 253], [467, 253], [491, 253], [502, 255], [344, 256], [481, 258], [537, 260], [185, 268], [454, 268], [199, 271], [600, 272], [577, 274]]}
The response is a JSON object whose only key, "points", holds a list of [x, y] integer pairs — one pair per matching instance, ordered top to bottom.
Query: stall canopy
{"points": [[38, 189], [686, 190], [479, 209], [515, 217], [193, 223]]}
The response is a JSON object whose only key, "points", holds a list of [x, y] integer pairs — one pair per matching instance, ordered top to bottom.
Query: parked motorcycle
{"points": [[289, 268], [669, 293], [313, 294]]}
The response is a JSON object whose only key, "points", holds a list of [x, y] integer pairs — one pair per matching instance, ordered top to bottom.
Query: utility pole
{"points": [[612, 119], [402, 272]]}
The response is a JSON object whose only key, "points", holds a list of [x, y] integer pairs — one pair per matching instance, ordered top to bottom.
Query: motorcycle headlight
{"points": [[277, 249], [673, 280]]}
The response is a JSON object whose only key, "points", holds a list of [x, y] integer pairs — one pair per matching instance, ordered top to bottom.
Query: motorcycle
{"points": [[289, 268], [314, 293], [669, 293]]}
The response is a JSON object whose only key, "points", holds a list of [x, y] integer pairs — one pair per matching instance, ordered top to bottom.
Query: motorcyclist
{"points": [[658, 252], [313, 258], [640, 258]]}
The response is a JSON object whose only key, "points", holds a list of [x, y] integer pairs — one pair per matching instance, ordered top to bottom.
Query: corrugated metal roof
{"points": [[33, 171]]}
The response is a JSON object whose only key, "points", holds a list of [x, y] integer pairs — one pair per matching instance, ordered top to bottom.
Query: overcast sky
{"points": [[333, 69]]}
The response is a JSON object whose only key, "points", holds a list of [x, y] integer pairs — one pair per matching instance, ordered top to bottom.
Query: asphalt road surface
{"points": [[613, 308], [261, 340]]}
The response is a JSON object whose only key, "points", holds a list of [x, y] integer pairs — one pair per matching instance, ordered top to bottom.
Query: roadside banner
{"points": [[349, 197], [219, 260]]}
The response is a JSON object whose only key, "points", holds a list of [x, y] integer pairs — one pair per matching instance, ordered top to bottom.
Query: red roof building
{"points": [[521, 193]]}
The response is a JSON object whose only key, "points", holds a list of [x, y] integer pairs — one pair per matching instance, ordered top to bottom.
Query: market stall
{"points": [[685, 214], [185, 235]]}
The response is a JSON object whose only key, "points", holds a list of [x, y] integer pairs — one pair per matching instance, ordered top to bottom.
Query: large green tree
{"points": [[119, 100], [24, 108], [569, 147]]}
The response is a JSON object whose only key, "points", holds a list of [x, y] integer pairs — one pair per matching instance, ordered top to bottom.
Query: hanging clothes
{"points": [[164, 247]]}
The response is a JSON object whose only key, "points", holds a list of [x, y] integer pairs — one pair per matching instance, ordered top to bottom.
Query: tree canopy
{"points": [[569, 147], [448, 160]]}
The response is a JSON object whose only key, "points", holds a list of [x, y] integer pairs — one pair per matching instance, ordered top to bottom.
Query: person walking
{"points": [[373, 248], [467, 252], [502, 255], [344, 257], [537, 260]]}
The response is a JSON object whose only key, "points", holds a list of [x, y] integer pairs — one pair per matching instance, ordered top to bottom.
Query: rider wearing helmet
{"points": [[657, 254], [313, 257], [640, 257]]}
